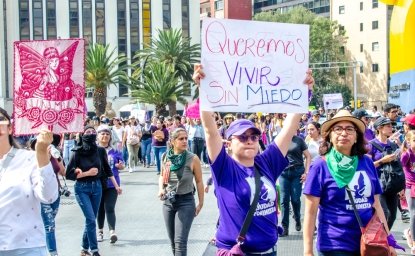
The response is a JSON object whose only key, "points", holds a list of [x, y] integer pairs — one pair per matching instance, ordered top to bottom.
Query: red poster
{"points": [[49, 90]]}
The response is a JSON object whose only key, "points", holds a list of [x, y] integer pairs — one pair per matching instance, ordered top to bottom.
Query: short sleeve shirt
{"points": [[235, 188], [338, 228]]}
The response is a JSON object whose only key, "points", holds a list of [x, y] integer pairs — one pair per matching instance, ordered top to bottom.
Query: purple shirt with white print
{"points": [[235, 188], [338, 228]]}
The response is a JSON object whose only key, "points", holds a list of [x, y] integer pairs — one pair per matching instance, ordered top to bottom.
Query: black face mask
{"points": [[89, 138]]}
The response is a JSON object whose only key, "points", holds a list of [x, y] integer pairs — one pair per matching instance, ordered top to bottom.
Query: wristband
{"points": [[310, 95], [392, 242]]}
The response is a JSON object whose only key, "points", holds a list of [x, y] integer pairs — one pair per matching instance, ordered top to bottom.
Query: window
{"points": [[375, 3], [218, 5], [361, 6], [341, 9], [166, 14], [73, 18], [185, 18], [37, 19], [51, 19], [24, 20], [87, 20], [100, 21], [146, 22], [375, 24], [134, 26], [361, 26], [341, 28], [122, 37], [375, 46], [361, 47], [342, 50], [6, 61], [375, 67], [361, 68], [89, 92]]}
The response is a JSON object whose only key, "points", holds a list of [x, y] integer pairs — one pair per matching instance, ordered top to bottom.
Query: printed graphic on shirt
{"points": [[361, 190], [267, 196]]}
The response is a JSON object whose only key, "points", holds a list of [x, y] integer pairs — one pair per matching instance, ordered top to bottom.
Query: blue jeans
{"points": [[146, 151], [158, 152], [67, 153], [125, 154], [290, 185], [88, 195], [49, 212], [178, 217], [36, 251]]}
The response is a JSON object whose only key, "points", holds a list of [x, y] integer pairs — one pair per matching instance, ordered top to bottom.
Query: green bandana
{"points": [[177, 161], [341, 167]]}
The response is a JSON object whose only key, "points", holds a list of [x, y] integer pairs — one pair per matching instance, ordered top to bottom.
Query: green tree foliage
{"points": [[326, 41], [176, 52], [103, 68]]}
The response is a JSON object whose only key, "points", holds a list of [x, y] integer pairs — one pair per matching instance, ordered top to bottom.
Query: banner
{"points": [[253, 66], [49, 90], [333, 101]]}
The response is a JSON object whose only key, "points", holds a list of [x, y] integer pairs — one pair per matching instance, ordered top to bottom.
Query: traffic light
{"points": [[352, 103], [359, 103]]}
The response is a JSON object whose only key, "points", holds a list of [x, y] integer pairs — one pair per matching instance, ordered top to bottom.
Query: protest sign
{"points": [[254, 66], [49, 90], [333, 101]]}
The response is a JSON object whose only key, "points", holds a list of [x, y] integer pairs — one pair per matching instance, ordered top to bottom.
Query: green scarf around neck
{"points": [[177, 161], [341, 167]]}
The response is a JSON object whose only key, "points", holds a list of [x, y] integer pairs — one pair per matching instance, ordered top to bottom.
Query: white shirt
{"points": [[23, 187]]}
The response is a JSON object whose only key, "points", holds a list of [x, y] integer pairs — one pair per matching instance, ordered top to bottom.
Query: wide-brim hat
{"points": [[342, 115]]}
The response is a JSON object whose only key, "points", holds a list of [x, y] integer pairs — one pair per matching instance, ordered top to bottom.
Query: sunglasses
{"points": [[244, 138]]}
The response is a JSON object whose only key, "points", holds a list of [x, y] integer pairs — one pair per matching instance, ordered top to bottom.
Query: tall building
{"points": [[320, 7], [228, 9], [124, 24], [366, 24]]}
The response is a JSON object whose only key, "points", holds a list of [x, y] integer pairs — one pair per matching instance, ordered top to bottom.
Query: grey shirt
{"points": [[185, 185]]}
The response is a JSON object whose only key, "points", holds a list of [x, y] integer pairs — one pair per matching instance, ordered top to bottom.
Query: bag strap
{"points": [[379, 147], [349, 194], [250, 214]]}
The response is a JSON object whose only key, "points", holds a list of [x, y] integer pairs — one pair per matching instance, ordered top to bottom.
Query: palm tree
{"points": [[171, 48], [103, 68], [159, 87]]}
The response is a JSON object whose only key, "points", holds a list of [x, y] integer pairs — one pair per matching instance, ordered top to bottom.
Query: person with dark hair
{"points": [[365, 118], [409, 122], [313, 139], [344, 165], [88, 166], [179, 168], [27, 179]]}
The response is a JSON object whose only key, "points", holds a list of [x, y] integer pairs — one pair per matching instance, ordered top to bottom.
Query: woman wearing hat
{"points": [[383, 127], [343, 165], [87, 166], [234, 178], [26, 180], [110, 192]]}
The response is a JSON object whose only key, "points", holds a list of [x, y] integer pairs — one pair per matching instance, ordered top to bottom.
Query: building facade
{"points": [[319, 7], [226, 9], [124, 24], [366, 24]]}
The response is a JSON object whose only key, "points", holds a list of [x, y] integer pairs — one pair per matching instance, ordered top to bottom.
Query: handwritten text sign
{"points": [[253, 66], [49, 90], [333, 101]]}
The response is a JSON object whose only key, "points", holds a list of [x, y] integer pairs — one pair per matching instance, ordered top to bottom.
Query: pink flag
{"points": [[49, 90], [193, 110]]}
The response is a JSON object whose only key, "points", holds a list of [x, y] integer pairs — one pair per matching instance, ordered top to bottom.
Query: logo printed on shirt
{"points": [[361, 190], [267, 196]]}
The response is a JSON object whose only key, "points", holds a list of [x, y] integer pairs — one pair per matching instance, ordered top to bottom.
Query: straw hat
{"points": [[342, 115]]}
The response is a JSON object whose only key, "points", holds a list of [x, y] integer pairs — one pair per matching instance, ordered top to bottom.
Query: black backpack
{"points": [[392, 177]]}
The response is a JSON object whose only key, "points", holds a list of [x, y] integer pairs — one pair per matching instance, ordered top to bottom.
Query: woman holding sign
{"points": [[234, 178]]}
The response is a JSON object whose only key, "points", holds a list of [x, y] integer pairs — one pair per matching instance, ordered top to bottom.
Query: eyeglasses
{"points": [[339, 130], [88, 132], [244, 138]]}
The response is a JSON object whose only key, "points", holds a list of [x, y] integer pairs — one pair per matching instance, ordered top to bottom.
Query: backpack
{"points": [[392, 177]]}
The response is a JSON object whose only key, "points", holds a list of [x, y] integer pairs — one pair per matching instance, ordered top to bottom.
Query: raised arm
{"points": [[212, 136]]}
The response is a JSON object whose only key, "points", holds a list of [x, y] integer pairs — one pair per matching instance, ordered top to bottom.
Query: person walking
{"points": [[160, 136], [345, 165], [88, 166], [180, 167], [27, 179], [109, 191]]}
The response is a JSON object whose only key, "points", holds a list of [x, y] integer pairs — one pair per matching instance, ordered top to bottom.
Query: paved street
{"points": [[140, 225]]}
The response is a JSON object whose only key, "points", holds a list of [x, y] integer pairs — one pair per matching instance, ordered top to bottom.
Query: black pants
{"points": [[197, 147], [389, 204], [107, 206]]}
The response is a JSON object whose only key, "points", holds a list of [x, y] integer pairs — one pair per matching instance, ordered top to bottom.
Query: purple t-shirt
{"points": [[369, 134], [376, 154], [114, 156], [408, 164], [235, 188], [338, 228]]}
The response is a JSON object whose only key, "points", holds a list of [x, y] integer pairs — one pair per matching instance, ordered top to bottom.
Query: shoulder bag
{"points": [[374, 240], [236, 250]]}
